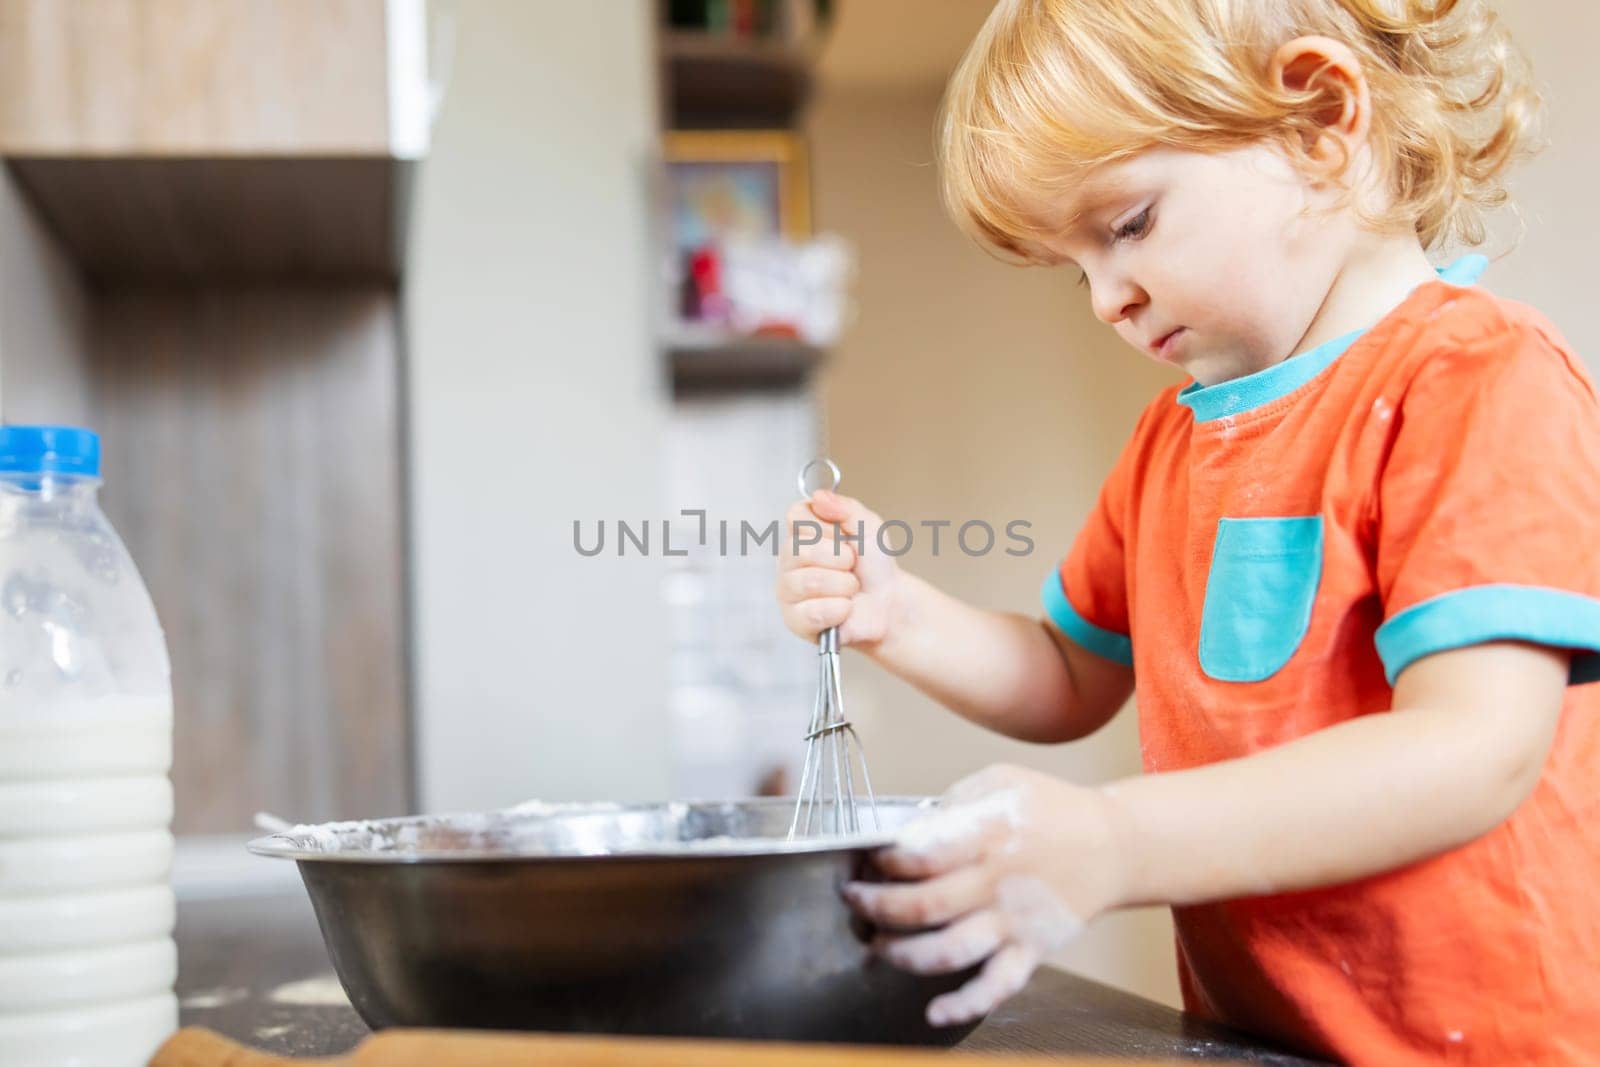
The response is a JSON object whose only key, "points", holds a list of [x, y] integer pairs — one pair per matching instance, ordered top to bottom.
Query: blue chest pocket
{"points": [[1259, 593]]}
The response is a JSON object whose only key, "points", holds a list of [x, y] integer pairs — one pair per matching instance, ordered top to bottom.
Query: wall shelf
{"points": [[717, 81], [224, 218], [714, 363]]}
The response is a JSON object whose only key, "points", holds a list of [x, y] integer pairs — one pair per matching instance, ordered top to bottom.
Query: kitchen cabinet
{"points": [[197, 139], [202, 216]]}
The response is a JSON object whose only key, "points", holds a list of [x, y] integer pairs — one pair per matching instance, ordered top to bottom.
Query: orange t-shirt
{"points": [[1269, 554]]}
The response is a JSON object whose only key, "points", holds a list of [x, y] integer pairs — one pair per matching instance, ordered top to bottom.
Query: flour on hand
{"points": [[960, 823], [1035, 915]]}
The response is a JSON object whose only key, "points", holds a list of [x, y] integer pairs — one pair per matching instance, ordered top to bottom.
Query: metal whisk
{"points": [[827, 801]]}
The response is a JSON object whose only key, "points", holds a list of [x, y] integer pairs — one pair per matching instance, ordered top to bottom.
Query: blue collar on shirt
{"points": [[1239, 395]]}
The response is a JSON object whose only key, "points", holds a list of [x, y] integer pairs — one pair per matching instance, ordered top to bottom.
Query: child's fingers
{"points": [[834, 507], [847, 510], [799, 514], [852, 518], [808, 540], [812, 543], [809, 582], [817, 614], [944, 840], [933, 859], [914, 863], [918, 905], [955, 948], [1004, 975]]}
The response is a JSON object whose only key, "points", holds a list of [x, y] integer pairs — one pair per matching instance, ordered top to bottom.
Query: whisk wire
{"points": [[829, 799]]}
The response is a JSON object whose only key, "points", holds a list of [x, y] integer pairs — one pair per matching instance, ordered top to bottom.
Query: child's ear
{"points": [[1331, 69]]}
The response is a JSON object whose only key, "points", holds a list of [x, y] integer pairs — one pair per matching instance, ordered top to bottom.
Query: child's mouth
{"points": [[1162, 347]]}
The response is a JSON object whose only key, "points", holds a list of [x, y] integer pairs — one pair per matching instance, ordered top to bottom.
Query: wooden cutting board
{"points": [[196, 1047]]}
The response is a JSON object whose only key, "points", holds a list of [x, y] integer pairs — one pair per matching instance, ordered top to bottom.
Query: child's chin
{"points": [[1212, 371], [1205, 372]]}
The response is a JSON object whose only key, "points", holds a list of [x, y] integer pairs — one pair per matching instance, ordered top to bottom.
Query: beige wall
{"points": [[1553, 265], [970, 389]]}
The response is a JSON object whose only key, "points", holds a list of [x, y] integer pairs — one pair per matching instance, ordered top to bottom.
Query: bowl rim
{"points": [[283, 844]]}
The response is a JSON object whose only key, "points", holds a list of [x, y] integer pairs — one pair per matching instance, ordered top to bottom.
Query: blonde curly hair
{"points": [[1052, 88]]}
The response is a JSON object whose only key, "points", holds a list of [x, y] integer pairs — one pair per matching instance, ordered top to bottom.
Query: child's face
{"points": [[1210, 261]]}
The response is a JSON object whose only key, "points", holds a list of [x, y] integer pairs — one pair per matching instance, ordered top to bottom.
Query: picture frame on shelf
{"points": [[735, 184]]}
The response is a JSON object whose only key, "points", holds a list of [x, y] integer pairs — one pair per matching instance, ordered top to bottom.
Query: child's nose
{"points": [[1116, 299]]}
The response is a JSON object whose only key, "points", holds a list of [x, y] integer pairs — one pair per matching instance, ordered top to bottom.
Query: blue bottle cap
{"points": [[49, 450]]}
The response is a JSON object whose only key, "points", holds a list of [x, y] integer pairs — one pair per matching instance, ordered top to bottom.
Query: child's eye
{"points": [[1135, 227], [1083, 280]]}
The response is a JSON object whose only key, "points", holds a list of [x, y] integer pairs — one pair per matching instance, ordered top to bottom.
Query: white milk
{"points": [[86, 911]]}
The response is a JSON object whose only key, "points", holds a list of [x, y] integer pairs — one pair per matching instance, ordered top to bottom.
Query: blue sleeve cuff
{"points": [[1495, 613], [1102, 642]]}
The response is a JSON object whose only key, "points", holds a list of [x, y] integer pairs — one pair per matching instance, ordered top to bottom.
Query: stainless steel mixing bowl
{"points": [[685, 919]]}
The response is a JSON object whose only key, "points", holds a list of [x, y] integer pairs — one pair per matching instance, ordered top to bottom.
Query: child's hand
{"points": [[852, 586], [1011, 867]]}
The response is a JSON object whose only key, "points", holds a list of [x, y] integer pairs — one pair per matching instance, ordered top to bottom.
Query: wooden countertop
{"points": [[255, 969]]}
